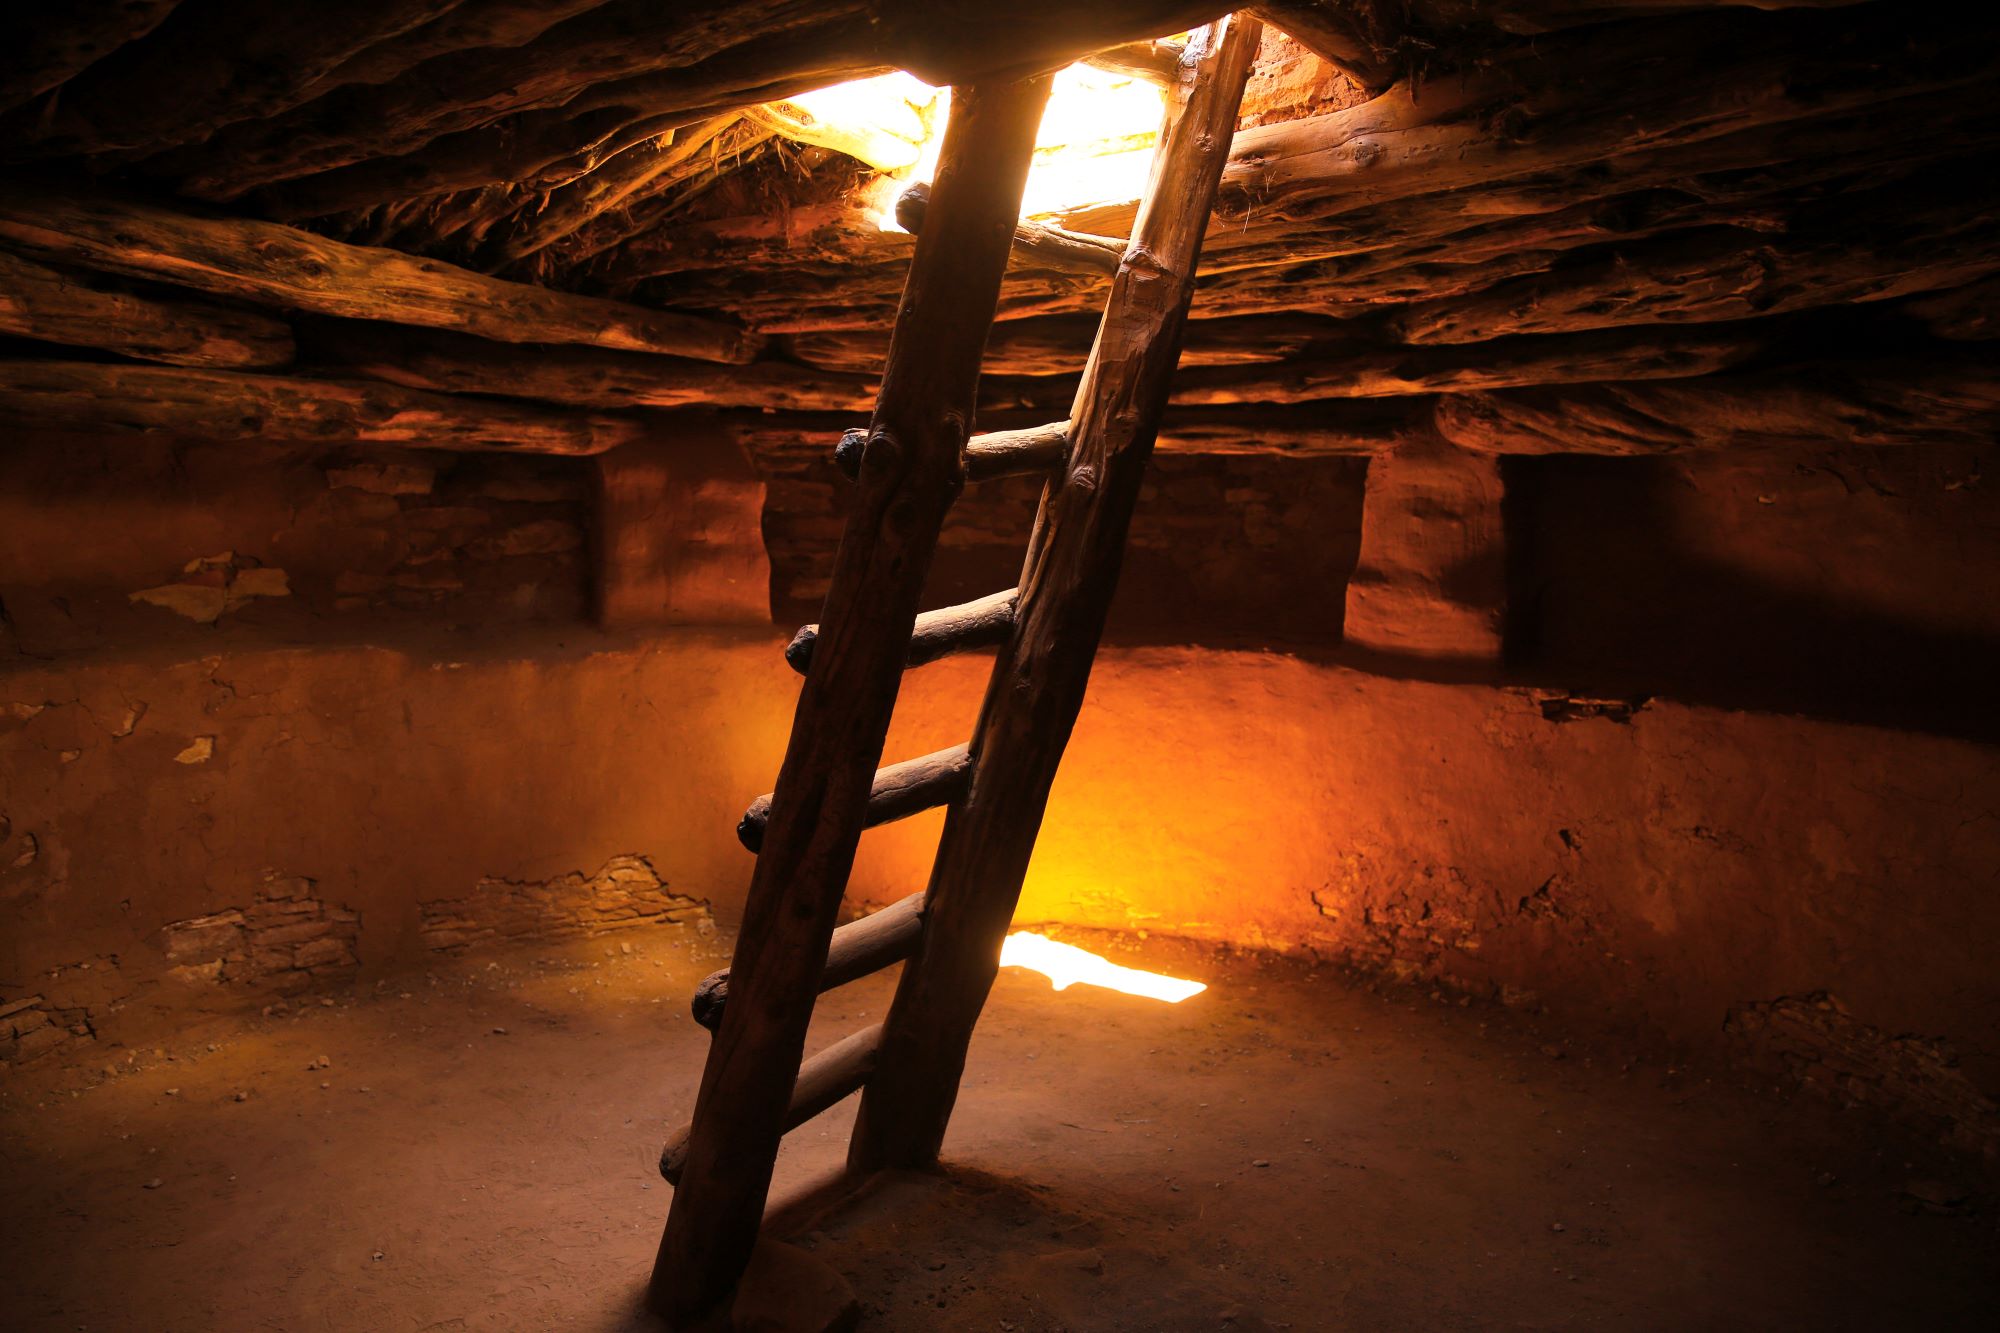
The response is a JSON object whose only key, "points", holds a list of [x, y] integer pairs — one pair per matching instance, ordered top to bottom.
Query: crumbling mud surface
{"points": [[473, 1148]]}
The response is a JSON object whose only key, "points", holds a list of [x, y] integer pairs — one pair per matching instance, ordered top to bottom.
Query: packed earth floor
{"points": [[475, 1148]]}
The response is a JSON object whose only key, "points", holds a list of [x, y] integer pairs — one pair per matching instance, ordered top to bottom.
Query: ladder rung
{"points": [[1053, 247], [1000, 453], [1013, 453], [939, 633], [900, 790], [858, 949], [835, 1073]]}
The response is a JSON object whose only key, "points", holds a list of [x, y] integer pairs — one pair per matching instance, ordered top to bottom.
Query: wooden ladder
{"points": [[910, 466]]}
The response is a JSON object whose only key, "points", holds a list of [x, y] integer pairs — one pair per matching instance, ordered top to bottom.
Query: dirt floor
{"points": [[475, 1149]]}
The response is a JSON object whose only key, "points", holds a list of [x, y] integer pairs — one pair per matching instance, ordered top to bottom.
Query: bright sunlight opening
{"points": [[1095, 146], [1065, 965]]}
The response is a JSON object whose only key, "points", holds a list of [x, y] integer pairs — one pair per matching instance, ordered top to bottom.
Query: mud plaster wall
{"points": [[116, 543], [254, 740], [386, 802], [215, 814], [1658, 874]]}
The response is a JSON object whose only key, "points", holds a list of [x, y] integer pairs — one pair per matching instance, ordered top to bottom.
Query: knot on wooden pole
{"points": [[911, 205], [847, 454]]}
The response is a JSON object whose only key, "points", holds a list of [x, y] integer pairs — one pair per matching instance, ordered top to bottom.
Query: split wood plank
{"points": [[278, 265], [226, 405]]}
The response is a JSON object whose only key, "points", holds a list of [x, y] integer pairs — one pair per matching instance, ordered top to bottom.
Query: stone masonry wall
{"points": [[627, 891], [284, 941]]}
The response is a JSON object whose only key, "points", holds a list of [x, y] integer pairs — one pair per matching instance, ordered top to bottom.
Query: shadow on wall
{"points": [[1854, 585]]}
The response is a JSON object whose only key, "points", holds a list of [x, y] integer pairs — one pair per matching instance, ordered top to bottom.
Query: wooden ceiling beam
{"points": [[1338, 35], [216, 63], [574, 67], [1582, 96], [481, 118], [1912, 237], [277, 265], [76, 310], [1057, 344], [1626, 354], [584, 377], [1874, 402]]}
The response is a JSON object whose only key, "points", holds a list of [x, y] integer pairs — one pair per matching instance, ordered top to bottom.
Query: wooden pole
{"points": [[52, 306], [910, 476], [1038, 682]]}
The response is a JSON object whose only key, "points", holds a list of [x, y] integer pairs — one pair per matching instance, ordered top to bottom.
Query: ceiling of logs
{"points": [[1615, 226]]}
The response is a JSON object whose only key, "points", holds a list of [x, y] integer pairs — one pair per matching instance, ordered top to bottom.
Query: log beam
{"points": [[1335, 35], [43, 46], [1155, 62], [215, 64], [1521, 113], [646, 167], [1898, 242], [277, 265], [51, 306], [1058, 344], [1506, 362], [585, 377], [1888, 401], [224, 405], [964, 628]]}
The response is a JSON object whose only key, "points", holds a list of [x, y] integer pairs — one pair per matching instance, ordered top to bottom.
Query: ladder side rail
{"points": [[912, 473], [1039, 679]]}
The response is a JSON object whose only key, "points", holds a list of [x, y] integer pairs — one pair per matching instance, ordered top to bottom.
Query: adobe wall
{"points": [[1607, 810]]}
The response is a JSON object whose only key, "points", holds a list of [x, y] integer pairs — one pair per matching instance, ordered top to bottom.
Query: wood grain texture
{"points": [[44, 46], [277, 265], [76, 310], [586, 377], [1890, 401], [228, 405], [1066, 587], [967, 627], [859, 948]]}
